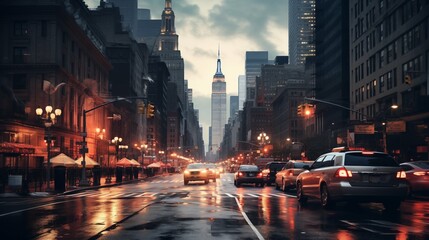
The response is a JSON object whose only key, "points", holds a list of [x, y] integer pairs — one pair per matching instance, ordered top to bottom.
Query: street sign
{"points": [[396, 127], [364, 129], [83, 150]]}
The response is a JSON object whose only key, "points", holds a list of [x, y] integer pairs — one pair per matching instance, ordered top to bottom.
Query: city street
{"points": [[163, 208]]}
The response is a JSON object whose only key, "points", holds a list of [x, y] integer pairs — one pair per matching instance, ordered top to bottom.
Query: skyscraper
{"points": [[302, 21], [167, 48], [254, 61], [241, 91], [233, 106], [218, 116]]}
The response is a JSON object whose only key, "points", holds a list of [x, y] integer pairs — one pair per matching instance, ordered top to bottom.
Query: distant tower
{"points": [[302, 23], [168, 50], [218, 106]]}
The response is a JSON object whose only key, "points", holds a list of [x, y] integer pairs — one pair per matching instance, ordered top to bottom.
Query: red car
{"points": [[417, 176]]}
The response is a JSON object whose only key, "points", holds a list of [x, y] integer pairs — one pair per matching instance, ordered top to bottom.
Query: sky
{"points": [[236, 26]]}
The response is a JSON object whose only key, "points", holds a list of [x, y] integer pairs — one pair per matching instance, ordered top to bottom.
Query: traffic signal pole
{"points": [[84, 150]]}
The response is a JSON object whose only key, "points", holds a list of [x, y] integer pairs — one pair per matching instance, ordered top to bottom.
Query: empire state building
{"points": [[218, 115]]}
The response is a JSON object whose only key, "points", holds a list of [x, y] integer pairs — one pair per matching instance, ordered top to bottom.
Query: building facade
{"points": [[302, 22], [389, 52], [253, 63], [218, 107]]}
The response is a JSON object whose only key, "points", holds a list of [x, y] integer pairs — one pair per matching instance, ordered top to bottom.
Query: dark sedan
{"points": [[248, 174], [417, 176]]}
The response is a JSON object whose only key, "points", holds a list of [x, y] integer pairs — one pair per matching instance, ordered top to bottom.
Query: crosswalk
{"points": [[181, 181], [96, 194]]}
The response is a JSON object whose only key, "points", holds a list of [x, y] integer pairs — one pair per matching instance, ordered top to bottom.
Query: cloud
{"points": [[249, 18]]}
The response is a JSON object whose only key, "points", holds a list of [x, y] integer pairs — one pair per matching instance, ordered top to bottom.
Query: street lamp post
{"points": [[49, 119], [99, 136], [263, 139], [117, 141], [123, 148]]}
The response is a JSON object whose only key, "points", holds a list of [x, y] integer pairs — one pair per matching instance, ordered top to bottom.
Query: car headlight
{"points": [[186, 172]]}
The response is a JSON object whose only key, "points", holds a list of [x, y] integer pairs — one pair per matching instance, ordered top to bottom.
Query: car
{"points": [[212, 171], [270, 171], [195, 172], [248, 174], [346, 175], [417, 176], [286, 178]]}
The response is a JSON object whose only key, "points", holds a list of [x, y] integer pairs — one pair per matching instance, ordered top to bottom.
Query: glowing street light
{"points": [[49, 117]]}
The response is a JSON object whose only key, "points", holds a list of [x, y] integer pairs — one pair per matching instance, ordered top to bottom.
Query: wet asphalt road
{"points": [[163, 208]]}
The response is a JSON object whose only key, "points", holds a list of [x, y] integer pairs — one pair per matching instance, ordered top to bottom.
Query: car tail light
{"points": [[266, 171], [290, 173], [343, 173], [421, 173], [240, 174], [259, 174], [401, 174]]}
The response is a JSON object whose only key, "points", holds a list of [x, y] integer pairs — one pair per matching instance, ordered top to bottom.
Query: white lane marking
{"points": [[129, 195], [140, 195], [229, 195], [252, 195], [265, 195], [277, 195], [292, 196], [44, 205], [248, 220]]}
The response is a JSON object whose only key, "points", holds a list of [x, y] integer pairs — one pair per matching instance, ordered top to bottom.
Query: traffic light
{"points": [[407, 79], [140, 108], [309, 109], [299, 110], [150, 111]]}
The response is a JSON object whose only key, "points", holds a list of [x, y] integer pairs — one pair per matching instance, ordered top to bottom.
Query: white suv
{"points": [[353, 176]]}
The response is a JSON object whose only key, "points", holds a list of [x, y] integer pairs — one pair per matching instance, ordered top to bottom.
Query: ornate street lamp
{"points": [[49, 117]]}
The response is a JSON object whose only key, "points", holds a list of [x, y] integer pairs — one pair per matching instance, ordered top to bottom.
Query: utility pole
{"points": [[84, 181]]}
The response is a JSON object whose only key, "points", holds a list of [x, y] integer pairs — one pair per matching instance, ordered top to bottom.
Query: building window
{"points": [[20, 28], [19, 54], [381, 84]]}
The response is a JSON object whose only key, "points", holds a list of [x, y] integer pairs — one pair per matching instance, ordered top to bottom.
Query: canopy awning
{"points": [[20, 148], [62, 160], [89, 162], [124, 162], [135, 163]]}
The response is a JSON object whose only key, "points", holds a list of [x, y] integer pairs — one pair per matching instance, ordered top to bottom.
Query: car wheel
{"points": [[206, 181], [186, 182], [237, 184], [277, 186], [300, 194], [325, 199], [392, 205]]}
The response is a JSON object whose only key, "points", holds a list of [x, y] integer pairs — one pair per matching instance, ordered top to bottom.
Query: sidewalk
{"points": [[73, 189]]}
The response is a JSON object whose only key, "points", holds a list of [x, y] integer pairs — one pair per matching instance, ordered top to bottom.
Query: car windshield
{"points": [[375, 159], [300, 164], [196, 166], [211, 166], [276, 166], [248, 168]]}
